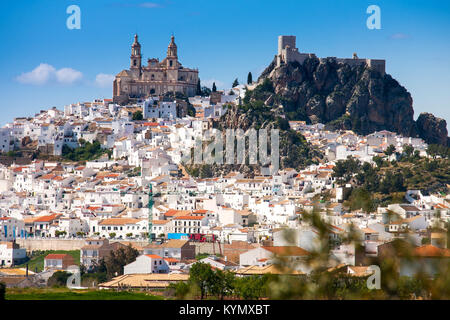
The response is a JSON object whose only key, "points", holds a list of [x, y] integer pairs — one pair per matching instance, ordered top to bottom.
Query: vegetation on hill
{"points": [[256, 113], [86, 152], [380, 183]]}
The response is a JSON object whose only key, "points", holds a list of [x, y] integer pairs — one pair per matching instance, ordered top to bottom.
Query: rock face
{"points": [[345, 97], [432, 129]]}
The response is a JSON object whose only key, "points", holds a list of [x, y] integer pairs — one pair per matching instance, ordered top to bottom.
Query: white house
{"points": [[153, 108], [11, 254], [147, 263]]}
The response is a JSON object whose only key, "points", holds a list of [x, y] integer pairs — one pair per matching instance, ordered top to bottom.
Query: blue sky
{"points": [[224, 39]]}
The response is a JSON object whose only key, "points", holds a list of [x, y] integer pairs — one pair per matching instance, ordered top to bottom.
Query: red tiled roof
{"points": [[47, 218], [189, 218], [431, 251], [57, 256], [153, 256]]}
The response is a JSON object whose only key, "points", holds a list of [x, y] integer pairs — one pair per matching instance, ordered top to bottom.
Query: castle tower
{"points": [[284, 43], [172, 56], [136, 58]]}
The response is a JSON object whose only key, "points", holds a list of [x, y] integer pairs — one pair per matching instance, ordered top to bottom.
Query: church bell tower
{"points": [[172, 56], [136, 58]]}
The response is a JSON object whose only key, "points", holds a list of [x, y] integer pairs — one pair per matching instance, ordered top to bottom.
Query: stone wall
{"points": [[59, 244]]}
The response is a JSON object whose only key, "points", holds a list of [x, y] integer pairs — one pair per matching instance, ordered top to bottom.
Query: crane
{"points": [[150, 213]]}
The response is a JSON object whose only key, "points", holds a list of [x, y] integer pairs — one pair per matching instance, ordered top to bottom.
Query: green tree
{"points": [[249, 78], [235, 83], [198, 91], [206, 91], [190, 110], [137, 115], [390, 150], [408, 150], [378, 161], [344, 170], [361, 199], [112, 235], [117, 259], [202, 276], [222, 284], [251, 287], [180, 289]]}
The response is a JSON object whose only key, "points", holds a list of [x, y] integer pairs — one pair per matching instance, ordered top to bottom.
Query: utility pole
{"points": [[150, 214]]}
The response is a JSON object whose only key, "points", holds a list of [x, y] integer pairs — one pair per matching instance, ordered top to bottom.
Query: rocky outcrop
{"points": [[347, 97], [432, 129]]}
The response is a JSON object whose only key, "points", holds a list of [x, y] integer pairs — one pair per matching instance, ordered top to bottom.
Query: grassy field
{"points": [[37, 260], [67, 294]]}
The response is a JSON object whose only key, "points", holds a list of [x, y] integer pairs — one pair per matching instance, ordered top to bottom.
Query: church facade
{"points": [[156, 78]]}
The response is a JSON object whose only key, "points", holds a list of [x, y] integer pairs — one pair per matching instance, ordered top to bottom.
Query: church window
{"points": [[170, 62], [134, 63]]}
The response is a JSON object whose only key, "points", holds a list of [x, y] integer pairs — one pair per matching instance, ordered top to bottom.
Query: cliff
{"points": [[345, 97]]}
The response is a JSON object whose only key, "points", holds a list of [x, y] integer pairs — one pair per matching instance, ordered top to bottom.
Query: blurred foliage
{"points": [[326, 278]]}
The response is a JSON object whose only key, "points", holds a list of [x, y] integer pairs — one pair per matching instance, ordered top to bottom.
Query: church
{"points": [[155, 79]]}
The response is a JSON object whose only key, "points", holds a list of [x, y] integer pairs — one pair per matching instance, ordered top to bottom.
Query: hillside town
{"points": [[111, 174], [105, 202]]}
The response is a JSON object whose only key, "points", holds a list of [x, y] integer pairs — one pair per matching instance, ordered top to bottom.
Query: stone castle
{"points": [[288, 52], [155, 79]]}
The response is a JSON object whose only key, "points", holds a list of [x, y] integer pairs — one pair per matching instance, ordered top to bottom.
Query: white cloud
{"points": [[149, 5], [399, 35], [44, 73], [68, 75], [38, 76], [104, 80]]}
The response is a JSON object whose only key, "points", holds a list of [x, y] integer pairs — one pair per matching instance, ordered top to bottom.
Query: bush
{"points": [[137, 115], [85, 152], [58, 279]]}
